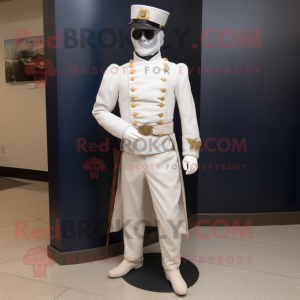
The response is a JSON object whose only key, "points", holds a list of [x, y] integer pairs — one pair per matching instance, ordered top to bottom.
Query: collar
{"points": [[139, 59]]}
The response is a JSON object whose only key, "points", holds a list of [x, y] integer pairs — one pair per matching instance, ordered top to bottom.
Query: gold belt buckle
{"points": [[146, 129]]}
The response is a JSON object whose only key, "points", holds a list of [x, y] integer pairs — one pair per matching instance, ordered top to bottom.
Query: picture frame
{"points": [[24, 59]]}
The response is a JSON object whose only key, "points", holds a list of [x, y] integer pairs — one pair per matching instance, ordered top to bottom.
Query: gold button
{"points": [[165, 59], [131, 61], [165, 64], [130, 65], [166, 70], [131, 72], [132, 78], [164, 79], [133, 89], [163, 90], [132, 97], [162, 98], [133, 105], [161, 105], [134, 114], [160, 115], [134, 122], [160, 122], [160, 135]]}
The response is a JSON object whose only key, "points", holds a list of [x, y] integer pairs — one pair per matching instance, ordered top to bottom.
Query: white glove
{"points": [[131, 134], [190, 164]]}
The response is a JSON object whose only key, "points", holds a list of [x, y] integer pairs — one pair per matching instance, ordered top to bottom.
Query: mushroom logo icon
{"points": [[94, 165], [39, 258]]}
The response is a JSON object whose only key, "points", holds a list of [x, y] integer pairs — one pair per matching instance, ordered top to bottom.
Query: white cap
{"points": [[148, 17]]}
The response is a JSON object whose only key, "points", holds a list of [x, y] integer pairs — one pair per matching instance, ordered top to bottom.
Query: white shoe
{"points": [[124, 267], [178, 284]]}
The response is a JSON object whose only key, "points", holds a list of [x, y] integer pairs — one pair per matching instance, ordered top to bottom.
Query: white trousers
{"points": [[160, 172]]}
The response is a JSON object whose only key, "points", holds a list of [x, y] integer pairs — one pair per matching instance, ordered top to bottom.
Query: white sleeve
{"points": [[106, 101], [191, 141]]}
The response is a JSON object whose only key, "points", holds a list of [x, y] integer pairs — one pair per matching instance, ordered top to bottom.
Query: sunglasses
{"points": [[137, 33]]}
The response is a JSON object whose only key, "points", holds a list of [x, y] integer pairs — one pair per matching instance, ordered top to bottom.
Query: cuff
{"points": [[119, 127], [125, 130], [191, 145]]}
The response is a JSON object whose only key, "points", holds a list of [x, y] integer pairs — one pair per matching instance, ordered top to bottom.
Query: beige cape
{"points": [[149, 213]]}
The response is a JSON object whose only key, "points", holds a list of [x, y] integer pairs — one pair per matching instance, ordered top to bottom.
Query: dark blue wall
{"points": [[263, 108], [248, 122], [74, 196]]}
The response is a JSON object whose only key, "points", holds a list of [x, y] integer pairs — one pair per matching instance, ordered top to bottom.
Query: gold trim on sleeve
{"points": [[195, 144]]}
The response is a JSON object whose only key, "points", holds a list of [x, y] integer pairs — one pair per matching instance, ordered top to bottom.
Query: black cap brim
{"points": [[144, 24]]}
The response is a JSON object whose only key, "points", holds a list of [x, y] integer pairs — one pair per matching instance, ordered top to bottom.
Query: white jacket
{"points": [[146, 92]]}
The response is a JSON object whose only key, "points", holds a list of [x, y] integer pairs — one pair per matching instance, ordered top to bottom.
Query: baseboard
{"points": [[24, 174], [254, 219], [95, 254]]}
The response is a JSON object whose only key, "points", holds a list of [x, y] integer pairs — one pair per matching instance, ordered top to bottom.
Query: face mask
{"points": [[145, 47]]}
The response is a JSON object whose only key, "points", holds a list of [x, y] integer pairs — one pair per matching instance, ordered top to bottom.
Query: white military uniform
{"points": [[150, 185]]}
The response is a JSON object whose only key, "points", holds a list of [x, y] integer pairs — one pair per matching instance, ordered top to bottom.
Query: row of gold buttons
{"points": [[131, 71], [164, 79], [133, 89]]}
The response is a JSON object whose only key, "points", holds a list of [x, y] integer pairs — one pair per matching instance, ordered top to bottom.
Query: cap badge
{"points": [[143, 14]]}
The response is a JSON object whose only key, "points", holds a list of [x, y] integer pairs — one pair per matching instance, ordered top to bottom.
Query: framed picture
{"points": [[24, 59]]}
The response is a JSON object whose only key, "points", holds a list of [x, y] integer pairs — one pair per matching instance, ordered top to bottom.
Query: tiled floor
{"points": [[266, 266]]}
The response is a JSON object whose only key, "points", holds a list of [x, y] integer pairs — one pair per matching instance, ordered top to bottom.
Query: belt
{"points": [[148, 130], [157, 130]]}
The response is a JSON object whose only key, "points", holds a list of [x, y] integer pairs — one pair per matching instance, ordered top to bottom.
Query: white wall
{"points": [[22, 110]]}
